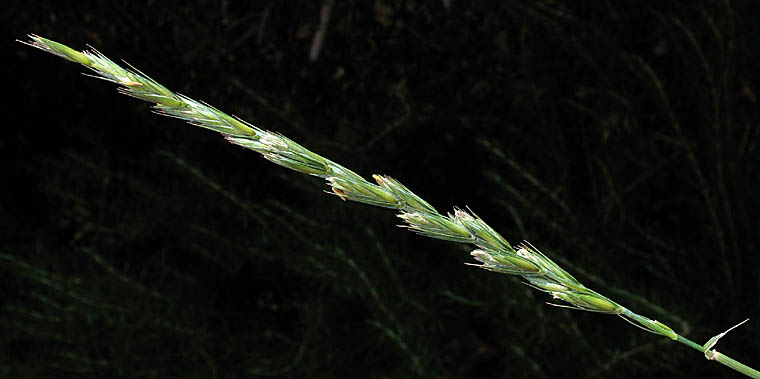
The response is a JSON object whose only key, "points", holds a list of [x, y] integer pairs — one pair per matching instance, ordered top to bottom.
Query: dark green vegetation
{"points": [[622, 141]]}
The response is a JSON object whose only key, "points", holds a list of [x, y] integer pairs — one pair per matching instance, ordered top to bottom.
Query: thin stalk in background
{"points": [[492, 251]]}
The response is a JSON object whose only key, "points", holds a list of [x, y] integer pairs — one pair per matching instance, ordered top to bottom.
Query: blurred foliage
{"points": [[619, 137]]}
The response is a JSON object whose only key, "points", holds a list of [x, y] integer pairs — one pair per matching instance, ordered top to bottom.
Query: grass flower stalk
{"points": [[492, 251]]}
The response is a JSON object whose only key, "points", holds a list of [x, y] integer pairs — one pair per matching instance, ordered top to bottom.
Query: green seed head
{"points": [[65, 51], [383, 194], [455, 227], [522, 263], [599, 303], [665, 330]]}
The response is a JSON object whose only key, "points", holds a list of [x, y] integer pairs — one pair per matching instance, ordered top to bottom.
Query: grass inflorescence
{"points": [[492, 251]]}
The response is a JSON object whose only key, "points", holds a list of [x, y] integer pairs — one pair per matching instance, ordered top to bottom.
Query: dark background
{"points": [[621, 138]]}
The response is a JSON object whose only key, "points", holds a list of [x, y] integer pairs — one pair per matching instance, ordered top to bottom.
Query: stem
{"points": [[689, 343], [721, 358]]}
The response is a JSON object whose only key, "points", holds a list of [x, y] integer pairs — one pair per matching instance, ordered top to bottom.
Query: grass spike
{"points": [[418, 214]]}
